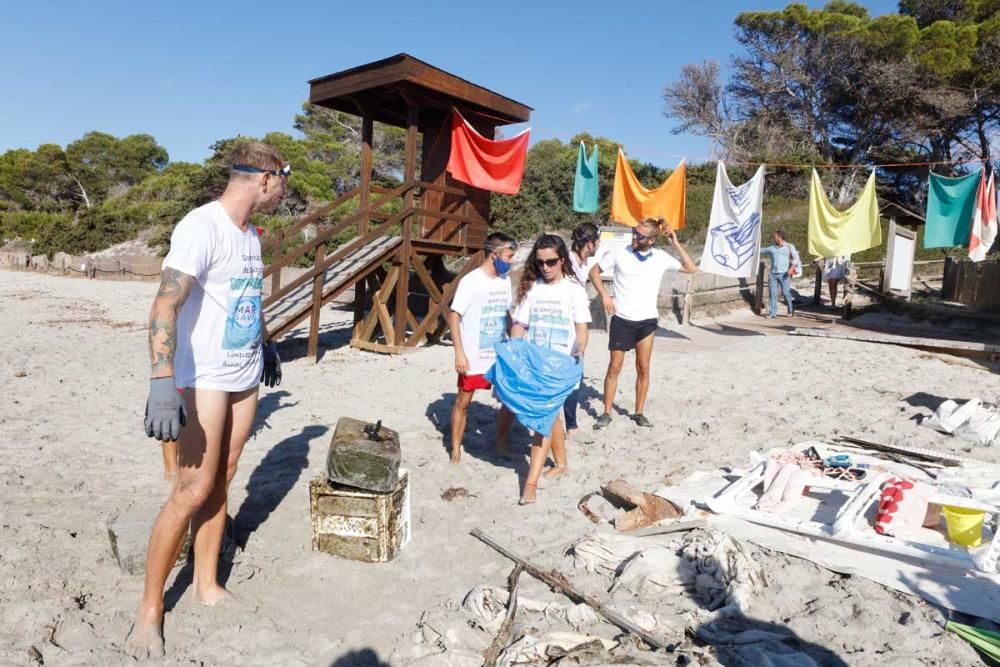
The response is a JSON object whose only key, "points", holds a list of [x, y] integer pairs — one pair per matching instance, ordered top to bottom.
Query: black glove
{"points": [[271, 376], [165, 412]]}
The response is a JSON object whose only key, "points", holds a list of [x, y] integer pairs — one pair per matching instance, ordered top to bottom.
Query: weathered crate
{"points": [[357, 524]]}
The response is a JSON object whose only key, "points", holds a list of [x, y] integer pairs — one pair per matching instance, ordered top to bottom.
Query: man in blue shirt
{"points": [[785, 264]]}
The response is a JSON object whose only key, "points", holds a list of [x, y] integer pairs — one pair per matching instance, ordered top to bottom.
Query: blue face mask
{"points": [[501, 266]]}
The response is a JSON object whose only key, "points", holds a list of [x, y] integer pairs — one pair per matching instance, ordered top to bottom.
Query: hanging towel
{"points": [[497, 166], [585, 185], [950, 202], [631, 203], [984, 219], [833, 233], [732, 243], [533, 382]]}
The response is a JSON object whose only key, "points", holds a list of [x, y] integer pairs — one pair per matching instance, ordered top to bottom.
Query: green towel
{"points": [[585, 185], [950, 202]]}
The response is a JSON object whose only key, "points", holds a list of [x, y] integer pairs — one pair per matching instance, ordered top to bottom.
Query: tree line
{"points": [[826, 86]]}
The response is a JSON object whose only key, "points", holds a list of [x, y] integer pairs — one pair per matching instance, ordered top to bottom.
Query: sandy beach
{"points": [[73, 455]]}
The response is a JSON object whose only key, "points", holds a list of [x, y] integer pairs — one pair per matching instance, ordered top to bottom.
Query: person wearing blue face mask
{"points": [[479, 319]]}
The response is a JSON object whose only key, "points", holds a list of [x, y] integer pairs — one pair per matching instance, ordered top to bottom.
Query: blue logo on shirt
{"points": [[242, 323]]}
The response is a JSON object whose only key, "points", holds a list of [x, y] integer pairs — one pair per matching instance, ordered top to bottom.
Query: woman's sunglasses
{"points": [[547, 262]]}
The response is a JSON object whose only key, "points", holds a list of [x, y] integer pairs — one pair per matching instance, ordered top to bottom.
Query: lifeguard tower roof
{"points": [[380, 90]]}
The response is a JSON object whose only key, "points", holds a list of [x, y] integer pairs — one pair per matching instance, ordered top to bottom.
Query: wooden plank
{"points": [[367, 132], [315, 216], [405, 250], [342, 252], [425, 277], [383, 293], [446, 296], [317, 307], [289, 319], [385, 321], [369, 346]]}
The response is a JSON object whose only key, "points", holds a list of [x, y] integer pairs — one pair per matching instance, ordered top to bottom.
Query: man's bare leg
{"points": [[643, 355], [611, 379], [459, 411], [505, 420], [557, 441], [169, 448], [199, 451], [209, 522]]}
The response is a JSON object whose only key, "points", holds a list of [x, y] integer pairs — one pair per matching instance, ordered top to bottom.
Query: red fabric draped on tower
{"points": [[497, 166]]}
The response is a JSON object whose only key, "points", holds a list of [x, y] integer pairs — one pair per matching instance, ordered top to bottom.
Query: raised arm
{"points": [[687, 265]]}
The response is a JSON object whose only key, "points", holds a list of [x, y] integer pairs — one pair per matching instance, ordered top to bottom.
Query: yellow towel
{"points": [[631, 203], [833, 233]]}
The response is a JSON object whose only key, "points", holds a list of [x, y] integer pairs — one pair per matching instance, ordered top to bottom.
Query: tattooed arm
{"points": [[174, 290]]}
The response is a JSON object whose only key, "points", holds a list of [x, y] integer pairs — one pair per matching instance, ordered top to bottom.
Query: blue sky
{"points": [[190, 73]]}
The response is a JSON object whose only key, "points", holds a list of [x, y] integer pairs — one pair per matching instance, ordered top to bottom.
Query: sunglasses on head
{"points": [[285, 171], [548, 262]]}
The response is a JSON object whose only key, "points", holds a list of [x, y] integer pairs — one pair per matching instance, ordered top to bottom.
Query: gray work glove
{"points": [[271, 376], [165, 412]]}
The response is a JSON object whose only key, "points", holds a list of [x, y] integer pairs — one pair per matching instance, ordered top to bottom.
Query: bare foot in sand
{"points": [[570, 434], [456, 455], [555, 471], [211, 595], [145, 639]]}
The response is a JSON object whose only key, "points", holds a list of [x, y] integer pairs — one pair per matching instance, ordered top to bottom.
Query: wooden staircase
{"points": [[377, 260]]}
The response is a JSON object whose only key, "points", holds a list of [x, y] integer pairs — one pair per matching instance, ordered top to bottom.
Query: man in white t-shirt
{"points": [[638, 270], [478, 320], [205, 341]]}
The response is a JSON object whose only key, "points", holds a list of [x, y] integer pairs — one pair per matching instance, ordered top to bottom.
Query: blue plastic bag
{"points": [[533, 382]]}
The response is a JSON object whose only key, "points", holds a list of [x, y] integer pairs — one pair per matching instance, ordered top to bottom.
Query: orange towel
{"points": [[497, 166], [631, 203]]}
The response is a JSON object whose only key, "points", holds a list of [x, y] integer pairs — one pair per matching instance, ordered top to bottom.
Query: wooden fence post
{"points": [[317, 305]]}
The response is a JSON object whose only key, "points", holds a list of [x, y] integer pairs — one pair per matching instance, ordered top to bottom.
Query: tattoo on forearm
{"points": [[174, 290]]}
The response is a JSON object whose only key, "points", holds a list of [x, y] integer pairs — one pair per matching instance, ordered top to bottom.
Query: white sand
{"points": [[73, 455]]}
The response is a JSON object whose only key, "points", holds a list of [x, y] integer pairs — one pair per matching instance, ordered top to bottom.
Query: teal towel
{"points": [[585, 185], [950, 203]]}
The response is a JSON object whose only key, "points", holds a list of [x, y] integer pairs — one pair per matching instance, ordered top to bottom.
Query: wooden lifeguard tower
{"points": [[396, 235]]}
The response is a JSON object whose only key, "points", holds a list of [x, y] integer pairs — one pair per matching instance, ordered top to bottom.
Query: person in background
{"points": [[583, 246], [785, 265], [638, 270], [835, 270], [551, 311], [478, 320]]}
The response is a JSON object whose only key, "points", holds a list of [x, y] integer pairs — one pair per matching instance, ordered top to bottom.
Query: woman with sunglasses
{"points": [[551, 310]]}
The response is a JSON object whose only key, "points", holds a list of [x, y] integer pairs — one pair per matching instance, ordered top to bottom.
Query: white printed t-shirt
{"points": [[582, 269], [637, 281], [483, 302], [551, 311], [219, 325]]}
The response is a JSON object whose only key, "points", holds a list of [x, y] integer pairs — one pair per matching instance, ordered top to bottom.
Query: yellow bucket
{"points": [[965, 526]]}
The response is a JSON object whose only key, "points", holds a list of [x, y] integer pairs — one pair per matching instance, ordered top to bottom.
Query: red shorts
{"points": [[473, 382]]}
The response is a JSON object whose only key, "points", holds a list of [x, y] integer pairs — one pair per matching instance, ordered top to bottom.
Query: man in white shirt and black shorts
{"points": [[638, 270], [206, 349]]}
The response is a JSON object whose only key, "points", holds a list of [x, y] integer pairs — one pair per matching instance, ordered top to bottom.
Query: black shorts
{"points": [[624, 334]]}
